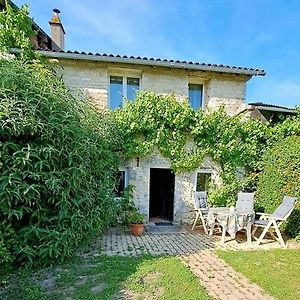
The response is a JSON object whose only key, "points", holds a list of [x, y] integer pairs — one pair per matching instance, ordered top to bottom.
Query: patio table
{"points": [[231, 222]]}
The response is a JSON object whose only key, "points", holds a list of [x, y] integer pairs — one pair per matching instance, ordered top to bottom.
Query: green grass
{"points": [[276, 271], [108, 278]]}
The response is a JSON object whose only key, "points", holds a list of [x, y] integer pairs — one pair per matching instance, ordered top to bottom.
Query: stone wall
{"points": [[87, 78], [92, 78], [165, 82], [227, 92], [139, 177]]}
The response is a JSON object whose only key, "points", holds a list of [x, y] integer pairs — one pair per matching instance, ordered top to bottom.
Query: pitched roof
{"points": [[189, 65], [272, 107]]}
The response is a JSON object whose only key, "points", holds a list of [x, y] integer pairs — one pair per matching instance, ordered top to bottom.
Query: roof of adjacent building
{"points": [[159, 62], [272, 107]]}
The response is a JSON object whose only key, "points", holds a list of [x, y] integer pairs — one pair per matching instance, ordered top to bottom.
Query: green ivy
{"points": [[161, 122]]}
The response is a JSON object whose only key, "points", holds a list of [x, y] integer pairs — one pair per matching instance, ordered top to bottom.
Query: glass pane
{"points": [[133, 85], [115, 92], [195, 95], [203, 181], [120, 185]]}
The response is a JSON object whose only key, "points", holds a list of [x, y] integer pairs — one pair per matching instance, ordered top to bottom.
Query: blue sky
{"points": [[252, 33]]}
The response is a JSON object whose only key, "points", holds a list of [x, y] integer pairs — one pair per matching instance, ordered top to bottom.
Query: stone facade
{"points": [[92, 78], [228, 90], [139, 178]]}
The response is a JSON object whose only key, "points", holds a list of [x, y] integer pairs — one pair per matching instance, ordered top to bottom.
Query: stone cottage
{"points": [[108, 79]]}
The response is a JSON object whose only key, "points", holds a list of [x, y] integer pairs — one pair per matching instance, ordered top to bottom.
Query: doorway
{"points": [[161, 205]]}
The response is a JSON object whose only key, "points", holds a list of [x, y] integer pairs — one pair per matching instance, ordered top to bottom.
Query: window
{"points": [[121, 88], [195, 95], [203, 181], [122, 182]]}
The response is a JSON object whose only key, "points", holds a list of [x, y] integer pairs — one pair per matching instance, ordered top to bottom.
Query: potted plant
{"points": [[136, 220]]}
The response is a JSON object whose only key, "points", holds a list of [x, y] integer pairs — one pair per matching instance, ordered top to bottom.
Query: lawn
{"points": [[276, 271], [108, 278]]}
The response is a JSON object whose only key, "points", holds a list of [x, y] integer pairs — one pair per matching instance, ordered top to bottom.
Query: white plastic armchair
{"points": [[201, 209], [272, 222]]}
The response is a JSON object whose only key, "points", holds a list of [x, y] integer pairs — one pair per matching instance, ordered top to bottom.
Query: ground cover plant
{"points": [[276, 271], [108, 278]]}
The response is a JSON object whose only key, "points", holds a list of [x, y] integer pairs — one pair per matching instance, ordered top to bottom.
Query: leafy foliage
{"points": [[16, 30], [186, 137], [57, 164], [281, 176], [127, 212]]}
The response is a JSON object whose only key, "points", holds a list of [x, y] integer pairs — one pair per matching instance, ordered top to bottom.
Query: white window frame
{"points": [[124, 73], [200, 82], [202, 171]]}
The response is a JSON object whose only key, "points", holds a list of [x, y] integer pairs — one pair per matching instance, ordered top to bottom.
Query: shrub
{"points": [[57, 164], [281, 176]]}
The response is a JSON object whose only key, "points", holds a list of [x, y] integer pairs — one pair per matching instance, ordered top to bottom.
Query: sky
{"points": [[249, 33]]}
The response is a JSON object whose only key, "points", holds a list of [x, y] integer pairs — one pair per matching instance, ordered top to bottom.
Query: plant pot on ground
{"points": [[136, 223]]}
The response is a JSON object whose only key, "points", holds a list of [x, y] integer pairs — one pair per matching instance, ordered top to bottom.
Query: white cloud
{"points": [[118, 22], [275, 91]]}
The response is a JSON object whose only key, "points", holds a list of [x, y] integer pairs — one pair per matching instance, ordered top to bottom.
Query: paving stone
{"points": [[195, 250]]}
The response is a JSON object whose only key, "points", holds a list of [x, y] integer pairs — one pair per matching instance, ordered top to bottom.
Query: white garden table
{"points": [[231, 221]]}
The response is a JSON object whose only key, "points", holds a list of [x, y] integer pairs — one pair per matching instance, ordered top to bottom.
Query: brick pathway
{"points": [[196, 250], [220, 280]]}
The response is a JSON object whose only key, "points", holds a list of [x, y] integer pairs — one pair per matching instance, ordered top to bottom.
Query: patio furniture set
{"points": [[242, 216]]}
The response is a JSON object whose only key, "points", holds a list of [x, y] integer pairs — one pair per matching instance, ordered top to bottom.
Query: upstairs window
{"points": [[121, 88], [196, 95]]}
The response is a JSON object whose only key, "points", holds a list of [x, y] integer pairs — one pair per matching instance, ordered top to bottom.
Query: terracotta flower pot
{"points": [[137, 229]]}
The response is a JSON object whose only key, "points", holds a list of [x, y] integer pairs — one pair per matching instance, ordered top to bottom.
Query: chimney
{"points": [[57, 31]]}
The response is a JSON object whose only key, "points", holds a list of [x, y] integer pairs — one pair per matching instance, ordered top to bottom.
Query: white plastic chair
{"points": [[201, 209], [272, 222]]}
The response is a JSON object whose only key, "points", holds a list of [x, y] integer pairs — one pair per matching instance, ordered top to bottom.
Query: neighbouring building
{"points": [[269, 112]]}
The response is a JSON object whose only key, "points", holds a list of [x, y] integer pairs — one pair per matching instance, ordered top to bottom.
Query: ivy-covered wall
{"points": [[187, 139], [139, 177]]}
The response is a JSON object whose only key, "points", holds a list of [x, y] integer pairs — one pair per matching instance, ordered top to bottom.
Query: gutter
{"points": [[150, 62]]}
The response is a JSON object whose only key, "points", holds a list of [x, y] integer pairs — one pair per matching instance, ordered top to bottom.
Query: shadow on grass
{"points": [[142, 277]]}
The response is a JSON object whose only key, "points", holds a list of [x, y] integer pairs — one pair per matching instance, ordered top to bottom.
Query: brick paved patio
{"points": [[195, 249]]}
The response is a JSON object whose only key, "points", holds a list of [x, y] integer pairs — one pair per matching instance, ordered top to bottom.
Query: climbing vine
{"points": [[186, 136]]}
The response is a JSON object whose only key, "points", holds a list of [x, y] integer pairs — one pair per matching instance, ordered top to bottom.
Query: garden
{"points": [[59, 158]]}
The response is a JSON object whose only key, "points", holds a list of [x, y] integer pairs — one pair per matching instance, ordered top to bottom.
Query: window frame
{"points": [[119, 72], [199, 82], [201, 171], [126, 178]]}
